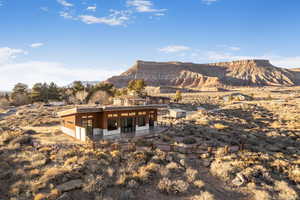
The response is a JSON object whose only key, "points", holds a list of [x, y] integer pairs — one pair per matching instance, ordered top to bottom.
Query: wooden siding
{"points": [[100, 118], [69, 122]]}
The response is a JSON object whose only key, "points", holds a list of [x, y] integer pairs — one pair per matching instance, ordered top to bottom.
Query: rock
{"points": [[248, 72], [273, 148], [234, 149], [182, 162], [206, 163], [238, 180], [71, 185], [127, 195], [64, 196]]}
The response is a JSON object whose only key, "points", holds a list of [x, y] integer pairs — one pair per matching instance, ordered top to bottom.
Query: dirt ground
{"points": [[245, 145]]}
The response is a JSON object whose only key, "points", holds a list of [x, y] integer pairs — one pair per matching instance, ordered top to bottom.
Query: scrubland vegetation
{"points": [[240, 149]]}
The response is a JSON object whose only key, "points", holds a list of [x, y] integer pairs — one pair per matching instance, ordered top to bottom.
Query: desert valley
{"points": [[239, 138]]}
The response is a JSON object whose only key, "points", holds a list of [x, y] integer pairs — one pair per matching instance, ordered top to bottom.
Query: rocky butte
{"points": [[235, 73]]}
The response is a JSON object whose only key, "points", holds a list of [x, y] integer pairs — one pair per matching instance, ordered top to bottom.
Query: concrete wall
{"points": [[139, 128], [106, 132]]}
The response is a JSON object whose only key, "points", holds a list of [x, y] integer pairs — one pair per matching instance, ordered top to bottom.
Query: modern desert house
{"points": [[94, 122]]}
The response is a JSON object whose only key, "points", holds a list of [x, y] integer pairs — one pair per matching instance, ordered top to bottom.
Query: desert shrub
{"points": [[220, 126], [189, 140], [71, 161], [222, 169], [110, 171], [163, 171], [142, 174], [191, 174], [294, 174], [121, 180], [94, 184], [199, 184], [165, 185], [168, 186], [179, 186], [285, 191], [54, 193], [261, 195], [40, 196], [203, 196]]}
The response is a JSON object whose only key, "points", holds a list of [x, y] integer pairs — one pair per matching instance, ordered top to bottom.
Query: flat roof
{"points": [[95, 109]]}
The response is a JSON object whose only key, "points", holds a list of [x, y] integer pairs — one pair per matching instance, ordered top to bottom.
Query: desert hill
{"points": [[235, 73]]}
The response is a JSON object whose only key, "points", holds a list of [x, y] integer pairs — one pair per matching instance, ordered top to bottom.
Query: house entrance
{"points": [[151, 120], [87, 123], [127, 125]]}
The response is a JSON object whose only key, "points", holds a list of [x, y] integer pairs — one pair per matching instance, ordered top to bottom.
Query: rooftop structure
{"points": [[91, 123]]}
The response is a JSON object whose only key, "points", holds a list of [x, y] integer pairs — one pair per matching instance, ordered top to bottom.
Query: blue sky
{"points": [[66, 40]]}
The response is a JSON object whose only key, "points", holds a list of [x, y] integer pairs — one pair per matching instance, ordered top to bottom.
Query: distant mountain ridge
{"points": [[235, 73]]}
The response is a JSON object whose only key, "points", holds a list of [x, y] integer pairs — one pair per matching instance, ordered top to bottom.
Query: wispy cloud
{"points": [[208, 2], [65, 3], [144, 6], [92, 8], [67, 15], [116, 18], [36, 45], [174, 49], [6, 54]]}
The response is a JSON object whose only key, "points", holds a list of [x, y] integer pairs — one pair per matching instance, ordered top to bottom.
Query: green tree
{"points": [[137, 85], [77, 86], [53, 91], [36, 92], [20, 94], [178, 96]]}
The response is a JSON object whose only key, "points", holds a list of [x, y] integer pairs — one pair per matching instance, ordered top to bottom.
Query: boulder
{"points": [[70, 185]]}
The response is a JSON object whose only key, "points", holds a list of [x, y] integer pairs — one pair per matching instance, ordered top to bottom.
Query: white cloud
{"points": [[208, 2], [65, 3], [143, 6], [92, 8], [67, 15], [116, 18], [36, 45], [174, 49], [6, 54], [282, 61], [37, 71]]}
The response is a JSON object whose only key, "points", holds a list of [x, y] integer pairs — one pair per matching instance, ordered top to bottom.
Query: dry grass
{"points": [[220, 126], [71, 161], [222, 169], [191, 174], [121, 180], [199, 184], [168, 186], [285, 191], [261, 195], [41, 196], [203, 196]]}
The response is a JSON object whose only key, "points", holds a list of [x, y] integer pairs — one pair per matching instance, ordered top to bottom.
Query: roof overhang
{"points": [[83, 109]]}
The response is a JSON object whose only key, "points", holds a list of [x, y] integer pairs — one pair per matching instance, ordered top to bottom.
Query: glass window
{"points": [[141, 121], [87, 123], [112, 124]]}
